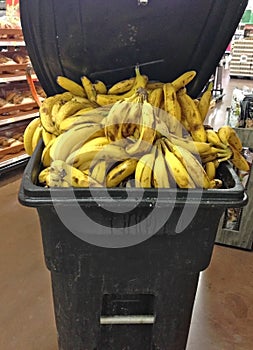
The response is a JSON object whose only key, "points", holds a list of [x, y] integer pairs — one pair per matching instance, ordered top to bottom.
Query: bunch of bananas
{"points": [[138, 133]]}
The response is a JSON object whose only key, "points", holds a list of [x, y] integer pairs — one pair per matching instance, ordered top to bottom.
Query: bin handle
{"points": [[136, 319]]}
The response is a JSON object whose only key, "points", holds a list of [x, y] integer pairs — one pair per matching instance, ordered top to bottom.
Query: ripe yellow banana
{"points": [[183, 79], [140, 82], [152, 85], [71, 86], [122, 86], [100, 87], [155, 97], [60, 100], [84, 100], [104, 100], [204, 102], [68, 109], [72, 121], [161, 127], [147, 131], [224, 133], [28, 135], [37, 135], [47, 137], [213, 138], [95, 142], [64, 143], [195, 147], [89, 153], [45, 156], [84, 160], [191, 164], [210, 168], [144, 170], [177, 170], [99, 171], [120, 172], [160, 172], [43, 176], [216, 183]]}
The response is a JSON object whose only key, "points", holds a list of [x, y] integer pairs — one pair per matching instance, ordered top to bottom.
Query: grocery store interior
{"points": [[222, 317]]}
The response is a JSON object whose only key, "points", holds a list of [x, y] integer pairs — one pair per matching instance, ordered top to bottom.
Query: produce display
{"points": [[137, 133]]}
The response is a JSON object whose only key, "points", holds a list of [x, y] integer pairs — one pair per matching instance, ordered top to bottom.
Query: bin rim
{"points": [[33, 195]]}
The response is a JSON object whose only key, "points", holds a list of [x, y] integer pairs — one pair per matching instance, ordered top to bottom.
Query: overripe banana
{"points": [[183, 79], [122, 86], [89, 89], [172, 106], [192, 116], [113, 122], [147, 131], [229, 137], [238, 160], [61, 171], [120, 172]]}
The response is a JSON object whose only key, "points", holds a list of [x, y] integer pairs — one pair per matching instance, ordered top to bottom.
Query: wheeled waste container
{"points": [[125, 263]]}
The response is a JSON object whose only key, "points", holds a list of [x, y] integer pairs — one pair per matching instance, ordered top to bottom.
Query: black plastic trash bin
{"points": [[140, 296], [137, 297]]}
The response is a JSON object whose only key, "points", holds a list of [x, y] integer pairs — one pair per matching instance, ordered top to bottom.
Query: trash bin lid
{"points": [[106, 39]]}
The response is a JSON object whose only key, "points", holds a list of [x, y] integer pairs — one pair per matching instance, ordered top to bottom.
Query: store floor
{"points": [[223, 311]]}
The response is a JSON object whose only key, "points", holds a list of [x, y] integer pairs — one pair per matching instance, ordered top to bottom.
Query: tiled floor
{"points": [[223, 311]]}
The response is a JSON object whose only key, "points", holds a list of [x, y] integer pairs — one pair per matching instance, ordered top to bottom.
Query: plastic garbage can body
{"points": [[140, 296], [137, 297]]}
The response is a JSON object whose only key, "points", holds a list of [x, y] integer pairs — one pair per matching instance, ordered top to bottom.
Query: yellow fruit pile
{"points": [[138, 133]]}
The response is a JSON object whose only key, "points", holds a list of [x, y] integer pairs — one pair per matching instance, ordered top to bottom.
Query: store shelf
{"points": [[8, 42], [241, 64], [12, 68], [6, 78], [25, 106], [13, 116], [5, 120], [13, 162]]}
